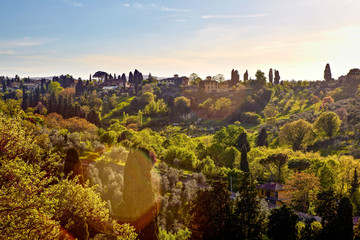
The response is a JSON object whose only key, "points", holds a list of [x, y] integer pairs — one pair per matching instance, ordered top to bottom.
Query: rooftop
{"points": [[272, 186]]}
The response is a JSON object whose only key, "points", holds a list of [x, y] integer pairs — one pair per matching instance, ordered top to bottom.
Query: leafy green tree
{"points": [[260, 78], [194, 79], [54, 87], [146, 98], [182, 104], [156, 108], [270, 111], [328, 124], [297, 134], [227, 136], [108, 137], [244, 146], [182, 156], [276, 162], [299, 165], [327, 178], [303, 188], [35, 204], [211, 216], [282, 224], [311, 231], [183, 234]]}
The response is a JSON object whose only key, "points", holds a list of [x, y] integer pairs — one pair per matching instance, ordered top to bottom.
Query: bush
{"points": [[251, 118], [108, 137], [184, 157]]}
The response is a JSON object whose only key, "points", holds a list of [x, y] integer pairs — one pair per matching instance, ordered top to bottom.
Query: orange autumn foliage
{"points": [[75, 124]]}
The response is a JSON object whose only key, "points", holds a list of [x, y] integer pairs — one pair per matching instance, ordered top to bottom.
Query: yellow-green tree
{"points": [[327, 124], [296, 134], [303, 188]]}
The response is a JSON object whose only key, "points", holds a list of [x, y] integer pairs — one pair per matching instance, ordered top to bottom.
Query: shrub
{"points": [[251, 118]]}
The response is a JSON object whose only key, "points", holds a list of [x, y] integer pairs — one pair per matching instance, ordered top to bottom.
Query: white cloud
{"points": [[73, 3], [126, 5], [156, 7], [167, 9], [233, 16], [179, 20], [25, 42], [7, 52]]}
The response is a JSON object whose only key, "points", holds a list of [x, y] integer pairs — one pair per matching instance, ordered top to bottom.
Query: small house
{"points": [[274, 193]]}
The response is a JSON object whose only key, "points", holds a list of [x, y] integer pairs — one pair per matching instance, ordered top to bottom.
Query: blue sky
{"points": [[164, 37]]}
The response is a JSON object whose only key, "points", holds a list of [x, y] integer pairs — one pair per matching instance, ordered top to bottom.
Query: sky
{"points": [[166, 37]]}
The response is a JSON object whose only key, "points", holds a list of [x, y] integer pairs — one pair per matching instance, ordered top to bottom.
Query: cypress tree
{"points": [[327, 73], [271, 75], [246, 76], [131, 77], [277, 77], [123, 80], [24, 103], [94, 118], [262, 138], [244, 147], [73, 164], [354, 183], [138, 195], [250, 222], [282, 224], [340, 226]]}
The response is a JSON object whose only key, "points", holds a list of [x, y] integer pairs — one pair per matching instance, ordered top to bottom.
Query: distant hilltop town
{"points": [[132, 83]]}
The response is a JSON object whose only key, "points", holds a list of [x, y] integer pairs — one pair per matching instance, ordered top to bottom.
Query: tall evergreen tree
{"points": [[327, 73], [246, 76], [131, 77], [277, 77], [235, 78], [271, 78], [123, 80], [79, 88], [24, 103], [52, 103], [94, 118], [262, 138], [244, 146], [73, 165], [354, 183], [139, 199], [211, 215], [249, 221], [282, 224], [341, 225], [345, 227]]}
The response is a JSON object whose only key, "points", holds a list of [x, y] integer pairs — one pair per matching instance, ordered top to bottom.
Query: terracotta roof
{"points": [[272, 186]]}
